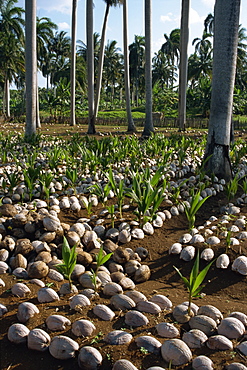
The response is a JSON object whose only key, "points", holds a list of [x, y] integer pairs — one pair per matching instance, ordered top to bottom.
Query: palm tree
{"points": [[109, 3], [226, 23], [11, 29], [45, 29], [204, 44], [171, 47], [59, 48], [136, 58], [73, 64], [183, 65], [200, 65], [31, 67], [90, 67], [112, 67], [162, 70], [131, 125], [148, 125]]}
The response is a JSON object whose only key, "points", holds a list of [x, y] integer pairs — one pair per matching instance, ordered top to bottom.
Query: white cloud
{"points": [[62, 6], [166, 18], [172, 18], [195, 18], [63, 26]]}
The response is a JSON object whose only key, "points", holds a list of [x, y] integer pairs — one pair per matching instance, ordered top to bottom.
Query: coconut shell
{"points": [[63, 348], [89, 358]]}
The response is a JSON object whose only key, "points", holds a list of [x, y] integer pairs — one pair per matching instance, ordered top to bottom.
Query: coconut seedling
{"points": [[55, 158], [31, 175], [72, 175], [13, 180], [45, 180], [232, 187], [118, 189], [102, 192], [146, 193], [88, 204], [192, 209], [111, 210], [228, 241], [100, 259], [69, 261], [194, 283]]}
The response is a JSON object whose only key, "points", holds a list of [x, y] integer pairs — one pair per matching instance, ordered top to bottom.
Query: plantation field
{"points": [[107, 183]]}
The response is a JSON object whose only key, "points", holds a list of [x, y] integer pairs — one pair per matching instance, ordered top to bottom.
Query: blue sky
{"points": [[165, 17]]}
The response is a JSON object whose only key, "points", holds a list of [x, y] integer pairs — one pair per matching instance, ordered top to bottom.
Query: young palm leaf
{"points": [[195, 205], [101, 259], [69, 261], [194, 284]]}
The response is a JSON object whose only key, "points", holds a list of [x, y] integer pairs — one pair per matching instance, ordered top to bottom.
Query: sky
{"points": [[165, 18]]}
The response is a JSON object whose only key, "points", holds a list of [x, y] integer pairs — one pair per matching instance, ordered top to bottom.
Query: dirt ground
{"points": [[224, 289]]}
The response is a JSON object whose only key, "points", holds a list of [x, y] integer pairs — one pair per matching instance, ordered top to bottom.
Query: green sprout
{"points": [[232, 188], [118, 189], [88, 205], [195, 205], [111, 210], [228, 240], [100, 259], [69, 261], [194, 284], [97, 338], [144, 350]]}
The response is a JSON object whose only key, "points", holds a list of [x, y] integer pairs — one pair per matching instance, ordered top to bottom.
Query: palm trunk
{"points": [[101, 62], [73, 65], [183, 66], [31, 67], [90, 68], [224, 68], [131, 125], [148, 126]]}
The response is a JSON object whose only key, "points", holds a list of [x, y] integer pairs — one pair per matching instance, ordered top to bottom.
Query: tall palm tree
{"points": [[109, 3], [226, 23], [11, 29], [171, 47], [136, 58], [73, 64], [183, 65], [31, 67], [90, 67], [131, 125], [148, 125]]}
